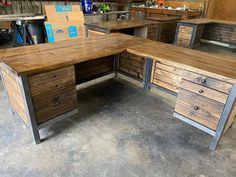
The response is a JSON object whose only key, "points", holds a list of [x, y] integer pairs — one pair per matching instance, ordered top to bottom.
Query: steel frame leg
{"points": [[148, 73], [30, 111], [224, 118]]}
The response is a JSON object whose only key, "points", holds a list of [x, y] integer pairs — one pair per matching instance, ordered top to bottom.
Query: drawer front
{"points": [[132, 64], [51, 76], [167, 76], [208, 82], [204, 91], [53, 93], [48, 107], [198, 108]]}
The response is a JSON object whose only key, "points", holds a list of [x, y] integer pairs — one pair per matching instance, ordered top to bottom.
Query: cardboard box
{"points": [[64, 13], [64, 22], [64, 31]]}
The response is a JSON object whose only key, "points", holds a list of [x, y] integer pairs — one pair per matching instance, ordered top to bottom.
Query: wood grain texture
{"points": [[118, 25], [37, 59], [200, 62], [132, 64], [89, 70], [207, 81], [14, 91], [204, 91], [53, 93], [201, 116]]}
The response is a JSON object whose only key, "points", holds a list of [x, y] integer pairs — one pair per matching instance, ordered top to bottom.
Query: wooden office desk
{"points": [[140, 28], [190, 32], [40, 80]]}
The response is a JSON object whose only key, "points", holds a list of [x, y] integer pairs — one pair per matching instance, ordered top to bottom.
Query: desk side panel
{"points": [[13, 87]]}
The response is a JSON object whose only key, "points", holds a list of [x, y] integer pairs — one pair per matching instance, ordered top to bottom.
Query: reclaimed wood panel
{"points": [[132, 64], [92, 69], [167, 75], [207, 81], [14, 91], [204, 91], [53, 93], [200, 116]]}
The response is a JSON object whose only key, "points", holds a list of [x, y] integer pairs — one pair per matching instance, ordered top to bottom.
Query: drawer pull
{"points": [[54, 75], [203, 81], [56, 86], [201, 91], [58, 103], [196, 108]]}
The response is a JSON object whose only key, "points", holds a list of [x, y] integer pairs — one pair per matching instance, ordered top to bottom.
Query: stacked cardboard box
{"points": [[64, 22]]}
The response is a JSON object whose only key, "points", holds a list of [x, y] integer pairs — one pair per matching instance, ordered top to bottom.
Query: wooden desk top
{"points": [[164, 18], [200, 21], [117, 25], [189, 57], [41, 58], [36, 59]]}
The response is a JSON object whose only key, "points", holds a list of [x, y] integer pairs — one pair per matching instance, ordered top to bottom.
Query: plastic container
{"points": [[87, 6]]}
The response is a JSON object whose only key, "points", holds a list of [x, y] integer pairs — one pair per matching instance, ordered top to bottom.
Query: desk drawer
{"points": [[51, 76], [207, 81], [204, 91], [53, 93], [54, 104], [198, 108]]}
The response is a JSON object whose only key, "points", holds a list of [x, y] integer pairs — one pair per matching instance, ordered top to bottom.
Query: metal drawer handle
{"points": [[203, 81], [201, 91], [58, 102], [196, 108]]}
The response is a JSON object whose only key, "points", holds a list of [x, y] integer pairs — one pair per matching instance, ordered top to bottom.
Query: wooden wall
{"points": [[222, 9]]}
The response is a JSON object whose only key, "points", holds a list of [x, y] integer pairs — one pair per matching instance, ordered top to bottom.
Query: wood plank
{"points": [[46, 77], [208, 82], [165, 85], [13, 89], [204, 91], [211, 105], [201, 116]]}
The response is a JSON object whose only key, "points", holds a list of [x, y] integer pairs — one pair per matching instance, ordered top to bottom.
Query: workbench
{"points": [[152, 11], [19, 21], [140, 28], [189, 33], [41, 80]]}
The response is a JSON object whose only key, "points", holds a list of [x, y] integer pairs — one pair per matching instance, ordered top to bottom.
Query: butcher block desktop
{"points": [[41, 80]]}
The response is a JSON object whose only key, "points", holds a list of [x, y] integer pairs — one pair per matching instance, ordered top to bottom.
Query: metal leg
{"points": [[24, 33], [14, 34], [116, 64], [147, 73], [30, 110], [224, 118]]}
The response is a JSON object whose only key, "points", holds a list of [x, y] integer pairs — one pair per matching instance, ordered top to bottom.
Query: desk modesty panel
{"points": [[205, 83]]}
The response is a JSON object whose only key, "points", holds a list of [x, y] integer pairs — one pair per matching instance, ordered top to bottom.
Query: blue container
{"points": [[87, 6]]}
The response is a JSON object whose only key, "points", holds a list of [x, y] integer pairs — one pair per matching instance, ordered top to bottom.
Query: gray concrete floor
{"points": [[120, 131]]}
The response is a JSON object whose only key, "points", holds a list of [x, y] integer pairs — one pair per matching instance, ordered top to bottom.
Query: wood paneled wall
{"points": [[222, 9]]}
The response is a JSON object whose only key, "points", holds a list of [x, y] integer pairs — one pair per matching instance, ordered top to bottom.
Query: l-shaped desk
{"points": [[41, 80]]}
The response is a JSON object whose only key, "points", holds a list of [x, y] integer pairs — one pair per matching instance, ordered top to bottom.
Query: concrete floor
{"points": [[120, 131]]}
